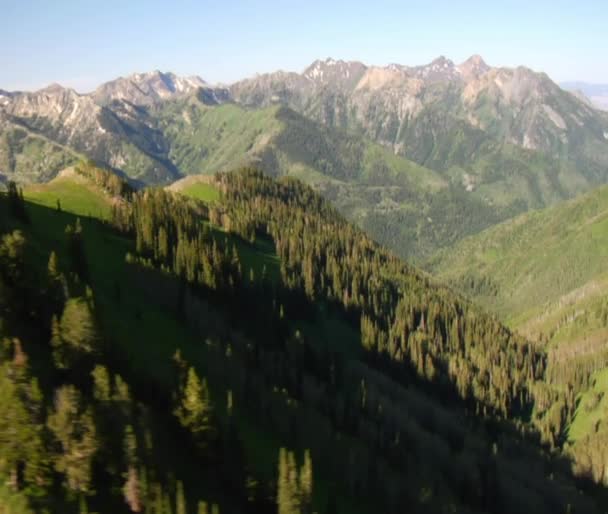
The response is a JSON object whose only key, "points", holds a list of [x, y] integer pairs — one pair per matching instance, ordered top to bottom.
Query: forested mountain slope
{"points": [[546, 273], [213, 334]]}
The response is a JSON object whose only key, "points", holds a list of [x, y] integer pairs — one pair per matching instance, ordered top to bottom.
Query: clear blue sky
{"points": [[81, 43]]}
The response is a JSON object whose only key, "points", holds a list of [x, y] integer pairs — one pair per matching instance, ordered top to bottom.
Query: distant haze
{"points": [[597, 93]]}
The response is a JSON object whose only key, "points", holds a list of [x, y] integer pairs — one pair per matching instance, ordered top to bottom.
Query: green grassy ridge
{"points": [[204, 192], [81, 198], [592, 407]]}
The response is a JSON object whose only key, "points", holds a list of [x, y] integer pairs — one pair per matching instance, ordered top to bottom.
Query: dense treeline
{"points": [[403, 317]]}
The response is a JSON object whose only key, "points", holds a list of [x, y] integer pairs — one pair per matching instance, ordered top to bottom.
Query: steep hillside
{"points": [[534, 262], [546, 273], [332, 378]]}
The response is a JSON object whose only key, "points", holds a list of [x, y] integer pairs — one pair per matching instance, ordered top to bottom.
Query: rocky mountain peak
{"points": [[474, 65], [439, 69], [335, 72], [147, 88]]}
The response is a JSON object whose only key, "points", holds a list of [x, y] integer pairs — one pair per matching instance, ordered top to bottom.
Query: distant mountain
{"points": [[147, 88], [597, 93], [5, 97], [505, 134], [122, 137], [493, 142], [28, 156]]}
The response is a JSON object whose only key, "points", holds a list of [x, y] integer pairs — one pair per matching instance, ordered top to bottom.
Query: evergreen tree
{"points": [[76, 335], [195, 410], [74, 430]]}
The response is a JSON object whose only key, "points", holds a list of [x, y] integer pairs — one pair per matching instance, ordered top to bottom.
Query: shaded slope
{"points": [[411, 444]]}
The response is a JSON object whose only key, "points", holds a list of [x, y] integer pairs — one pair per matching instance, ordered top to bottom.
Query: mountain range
{"points": [[419, 156]]}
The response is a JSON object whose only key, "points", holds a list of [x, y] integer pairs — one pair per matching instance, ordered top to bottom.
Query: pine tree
{"points": [[52, 266], [76, 335], [195, 410], [73, 427], [23, 457], [306, 484], [294, 490]]}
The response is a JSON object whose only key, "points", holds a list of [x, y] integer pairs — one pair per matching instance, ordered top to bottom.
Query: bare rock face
{"points": [[147, 88], [417, 109], [118, 137]]}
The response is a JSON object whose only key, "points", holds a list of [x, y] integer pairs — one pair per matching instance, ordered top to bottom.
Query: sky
{"points": [[82, 43]]}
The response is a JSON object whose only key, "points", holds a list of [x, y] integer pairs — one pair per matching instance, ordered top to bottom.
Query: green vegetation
{"points": [[30, 157], [204, 192], [70, 196], [407, 207], [525, 269], [546, 273], [146, 370], [592, 407]]}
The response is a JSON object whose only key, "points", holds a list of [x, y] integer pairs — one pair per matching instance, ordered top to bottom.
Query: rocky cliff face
{"points": [[146, 88], [404, 107], [121, 137]]}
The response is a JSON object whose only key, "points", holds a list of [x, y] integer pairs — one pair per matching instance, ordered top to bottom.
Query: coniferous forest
{"points": [[258, 353]]}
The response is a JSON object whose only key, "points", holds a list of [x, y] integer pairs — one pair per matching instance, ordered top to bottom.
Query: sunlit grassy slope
{"points": [[71, 193]]}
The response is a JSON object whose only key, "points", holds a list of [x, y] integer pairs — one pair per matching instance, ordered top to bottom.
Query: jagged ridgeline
{"points": [[253, 353]]}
